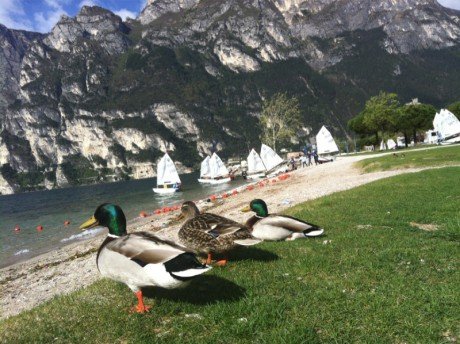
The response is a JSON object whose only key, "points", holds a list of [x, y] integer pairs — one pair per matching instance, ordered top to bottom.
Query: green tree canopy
{"points": [[455, 109], [379, 115], [415, 117], [280, 119]]}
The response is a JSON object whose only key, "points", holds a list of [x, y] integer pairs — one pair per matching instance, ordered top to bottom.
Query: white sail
{"points": [[446, 124], [325, 142], [391, 144], [269, 157], [255, 163], [217, 167], [205, 171], [166, 172]]}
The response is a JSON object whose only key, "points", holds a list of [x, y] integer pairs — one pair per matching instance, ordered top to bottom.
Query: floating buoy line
{"points": [[210, 198]]}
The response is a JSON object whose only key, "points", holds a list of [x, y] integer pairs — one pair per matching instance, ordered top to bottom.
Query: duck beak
{"points": [[246, 209], [179, 217], [90, 223]]}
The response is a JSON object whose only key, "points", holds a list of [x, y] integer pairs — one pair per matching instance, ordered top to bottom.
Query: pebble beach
{"points": [[30, 283]]}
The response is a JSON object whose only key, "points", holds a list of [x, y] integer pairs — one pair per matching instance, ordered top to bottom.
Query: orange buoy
{"points": [[273, 180], [249, 187], [235, 192], [224, 195], [212, 197], [166, 209], [157, 211], [143, 214], [66, 222], [17, 228], [39, 228]]}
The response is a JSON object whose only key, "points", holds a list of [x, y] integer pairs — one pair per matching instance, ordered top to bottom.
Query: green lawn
{"points": [[439, 156], [373, 278]]}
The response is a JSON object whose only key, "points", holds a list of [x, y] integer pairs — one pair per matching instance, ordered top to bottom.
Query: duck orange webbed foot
{"points": [[222, 262], [140, 308]]}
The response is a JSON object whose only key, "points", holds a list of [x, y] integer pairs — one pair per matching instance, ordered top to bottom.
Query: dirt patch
{"points": [[428, 227]]}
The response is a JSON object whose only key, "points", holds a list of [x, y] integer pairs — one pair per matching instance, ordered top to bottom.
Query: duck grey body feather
{"points": [[276, 227], [142, 259]]}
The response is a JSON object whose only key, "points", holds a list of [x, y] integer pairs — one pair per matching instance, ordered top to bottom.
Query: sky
{"points": [[41, 15]]}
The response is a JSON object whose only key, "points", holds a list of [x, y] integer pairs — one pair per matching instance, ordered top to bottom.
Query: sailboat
{"points": [[448, 126], [325, 142], [272, 161], [256, 167], [205, 170], [214, 171], [219, 172], [168, 180]]}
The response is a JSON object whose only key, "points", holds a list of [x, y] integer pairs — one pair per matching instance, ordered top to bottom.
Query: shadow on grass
{"points": [[251, 253], [201, 291]]}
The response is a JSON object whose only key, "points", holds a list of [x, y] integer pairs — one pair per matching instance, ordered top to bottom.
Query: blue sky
{"points": [[41, 15]]}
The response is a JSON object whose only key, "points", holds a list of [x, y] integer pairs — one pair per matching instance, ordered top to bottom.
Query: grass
{"points": [[439, 156], [374, 278]]}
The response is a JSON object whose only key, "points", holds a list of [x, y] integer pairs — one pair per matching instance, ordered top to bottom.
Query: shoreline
{"points": [[29, 283]]}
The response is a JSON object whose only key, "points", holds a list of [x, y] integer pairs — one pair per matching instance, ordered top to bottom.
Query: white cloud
{"points": [[88, 3], [450, 3], [124, 13], [13, 16], [44, 21]]}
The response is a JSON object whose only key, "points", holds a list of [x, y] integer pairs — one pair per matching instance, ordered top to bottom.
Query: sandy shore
{"points": [[28, 284]]}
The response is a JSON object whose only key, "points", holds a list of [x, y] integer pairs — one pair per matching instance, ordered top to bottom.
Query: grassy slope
{"points": [[441, 156], [377, 279]]}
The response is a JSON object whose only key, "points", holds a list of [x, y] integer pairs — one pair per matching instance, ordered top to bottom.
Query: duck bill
{"points": [[246, 209], [180, 217], [90, 223]]}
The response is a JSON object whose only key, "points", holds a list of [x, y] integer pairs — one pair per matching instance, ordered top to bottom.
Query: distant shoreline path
{"points": [[30, 283]]}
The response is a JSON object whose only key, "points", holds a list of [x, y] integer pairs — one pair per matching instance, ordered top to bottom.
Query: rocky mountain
{"points": [[100, 99]]}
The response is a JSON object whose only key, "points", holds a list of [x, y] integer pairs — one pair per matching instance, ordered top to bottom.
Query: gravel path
{"points": [[28, 284]]}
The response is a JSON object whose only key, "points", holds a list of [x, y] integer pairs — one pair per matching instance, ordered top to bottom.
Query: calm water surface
{"points": [[51, 208]]}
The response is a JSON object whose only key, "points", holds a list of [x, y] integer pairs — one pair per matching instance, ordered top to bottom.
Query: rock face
{"points": [[101, 99]]}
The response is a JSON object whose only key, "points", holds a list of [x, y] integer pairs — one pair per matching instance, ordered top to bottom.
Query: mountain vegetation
{"points": [[187, 76]]}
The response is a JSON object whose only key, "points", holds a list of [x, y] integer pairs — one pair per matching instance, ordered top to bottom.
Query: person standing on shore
{"points": [[315, 155], [309, 158], [303, 160]]}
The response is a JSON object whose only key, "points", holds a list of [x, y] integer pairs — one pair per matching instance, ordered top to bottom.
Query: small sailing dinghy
{"points": [[448, 127], [325, 142], [272, 161], [256, 167], [205, 171], [218, 172], [168, 180]]}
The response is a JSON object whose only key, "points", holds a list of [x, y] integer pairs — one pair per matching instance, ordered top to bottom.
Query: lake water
{"points": [[51, 208]]}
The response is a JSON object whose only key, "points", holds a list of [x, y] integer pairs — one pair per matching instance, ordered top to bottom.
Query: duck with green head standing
{"points": [[140, 259]]}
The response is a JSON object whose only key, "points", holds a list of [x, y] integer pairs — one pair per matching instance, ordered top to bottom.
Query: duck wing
{"points": [[289, 223], [215, 225], [145, 248]]}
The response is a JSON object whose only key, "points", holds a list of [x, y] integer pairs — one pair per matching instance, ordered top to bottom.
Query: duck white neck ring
{"points": [[112, 235]]}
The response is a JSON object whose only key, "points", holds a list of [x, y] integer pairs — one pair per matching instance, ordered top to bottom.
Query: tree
{"points": [[455, 109], [380, 113], [378, 117], [415, 117], [280, 118]]}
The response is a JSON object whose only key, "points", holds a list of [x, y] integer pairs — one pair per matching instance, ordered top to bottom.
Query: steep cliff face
{"points": [[101, 99]]}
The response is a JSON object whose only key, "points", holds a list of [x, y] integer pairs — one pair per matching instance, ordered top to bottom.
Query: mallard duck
{"points": [[275, 227], [209, 234], [140, 259]]}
